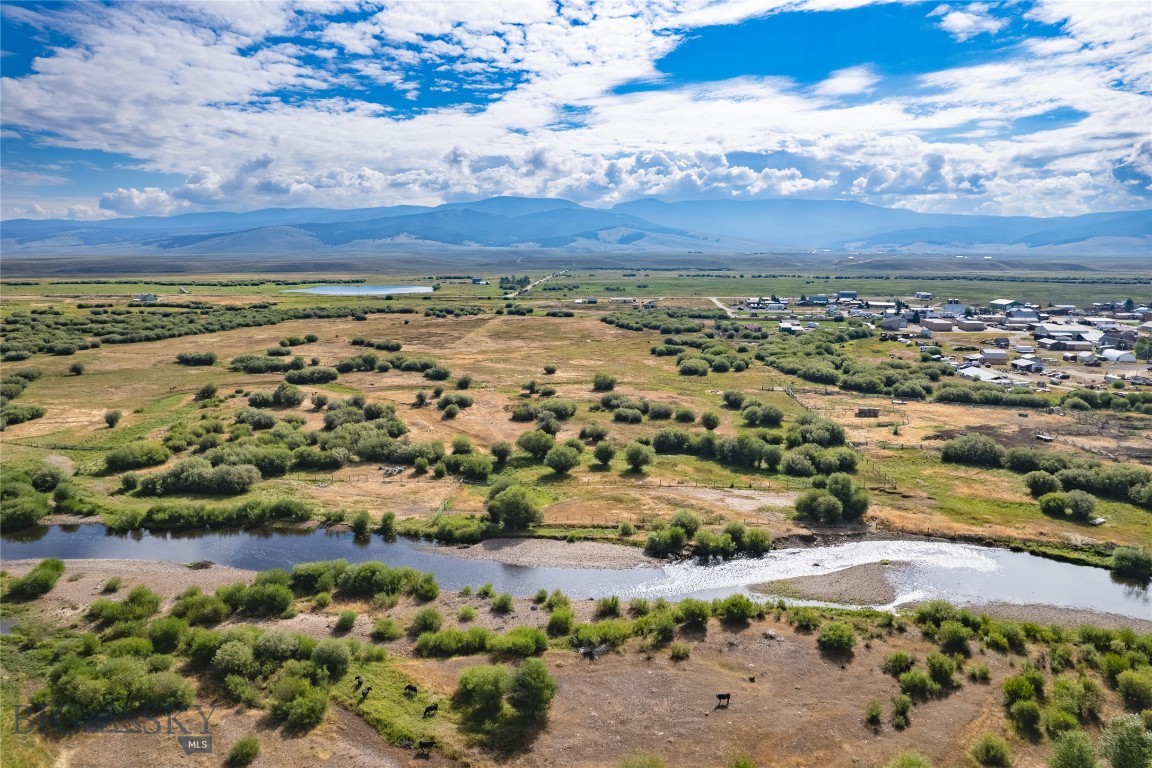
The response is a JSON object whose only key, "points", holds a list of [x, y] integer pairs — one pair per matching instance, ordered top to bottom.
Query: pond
{"points": [[361, 290], [962, 573]]}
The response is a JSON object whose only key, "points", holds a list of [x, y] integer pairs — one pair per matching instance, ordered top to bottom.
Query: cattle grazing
{"points": [[592, 653], [752, 679], [359, 681], [410, 690], [364, 693], [723, 700], [431, 709], [424, 746]]}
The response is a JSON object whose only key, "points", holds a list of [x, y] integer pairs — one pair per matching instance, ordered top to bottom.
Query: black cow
{"points": [[359, 681], [411, 690], [364, 693], [723, 700], [431, 709], [424, 747]]}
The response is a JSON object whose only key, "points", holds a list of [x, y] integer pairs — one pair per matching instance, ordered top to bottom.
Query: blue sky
{"points": [[120, 109]]}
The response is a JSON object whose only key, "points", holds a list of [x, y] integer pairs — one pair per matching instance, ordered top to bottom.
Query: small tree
{"points": [[76, 369], [112, 418], [710, 420], [536, 442], [501, 451], [604, 452], [638, 456], [561, 459], [1053, 504], [1080, 505], [513, 509], [531, 689], [480, 692], [1126, 743]]}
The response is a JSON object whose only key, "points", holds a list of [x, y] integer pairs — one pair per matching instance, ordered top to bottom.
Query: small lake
{"points": [[361, 290], [962, 573]]}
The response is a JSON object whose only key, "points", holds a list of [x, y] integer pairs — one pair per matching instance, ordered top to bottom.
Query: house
{"points": [[845, 294], [923, 296], [146, 297], [819, 299], [1002, 305], [1019, 315], [893, 323], [936, 325], [970, 325], [1025, 349], [995, 356], [1117, 356], [1087, 358], [1027, 365]]}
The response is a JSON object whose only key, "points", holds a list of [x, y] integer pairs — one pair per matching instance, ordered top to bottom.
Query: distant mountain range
{"points": [[641, 226]]}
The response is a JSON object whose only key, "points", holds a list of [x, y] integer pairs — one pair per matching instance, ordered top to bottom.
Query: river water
{"points": [[360, 290], [962, 573]]}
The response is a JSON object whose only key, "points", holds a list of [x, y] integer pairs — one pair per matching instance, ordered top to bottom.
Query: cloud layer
{"points": [[347, 104]]}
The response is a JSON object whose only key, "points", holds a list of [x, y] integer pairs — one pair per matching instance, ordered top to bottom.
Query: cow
{"points": [[411, 690], [723, 700], [431, 709], [424, 747]]}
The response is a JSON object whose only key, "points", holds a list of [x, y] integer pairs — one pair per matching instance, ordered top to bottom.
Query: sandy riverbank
{"points": [[548, 553], [866, 584]]}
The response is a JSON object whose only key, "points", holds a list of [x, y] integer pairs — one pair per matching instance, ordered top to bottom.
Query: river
{"points": [[962, 573]]}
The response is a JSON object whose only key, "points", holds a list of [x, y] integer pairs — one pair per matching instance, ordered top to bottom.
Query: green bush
{"points": [[136, 455], [1133, 561], [39, 581], [502, 604], [608, 607], [694, 613], [804, 619], [426, 620], [346, 621], [561, 621], [386, 630], [836, 637], [953, 637], [520, 641], [679, 651], [333, 656], [897, 663], [941, 668], [978, 672], [918, 684], [1135, 687], [531, 689], [480, 692], [874, 713], [1025, 715], [1072, 749], [991, 750], [244, 752], [909, 760]]}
